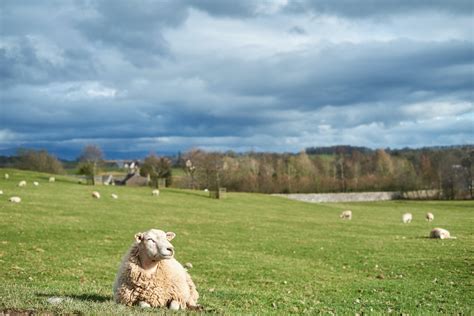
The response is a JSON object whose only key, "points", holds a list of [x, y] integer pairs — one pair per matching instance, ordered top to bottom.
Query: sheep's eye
{"points": [[149, 239]]}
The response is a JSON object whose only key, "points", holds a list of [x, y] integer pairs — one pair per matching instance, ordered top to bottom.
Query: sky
{"points": [[136, 77]]}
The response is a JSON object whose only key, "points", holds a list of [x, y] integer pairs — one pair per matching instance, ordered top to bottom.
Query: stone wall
{"points": [[362, 196], [343, 197]]}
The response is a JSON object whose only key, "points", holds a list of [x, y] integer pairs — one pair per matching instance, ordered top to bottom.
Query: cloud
{"points": [[370, 8], [144, 76]]}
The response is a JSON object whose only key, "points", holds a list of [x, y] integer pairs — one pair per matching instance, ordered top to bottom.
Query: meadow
{"points": [[252, 253]]}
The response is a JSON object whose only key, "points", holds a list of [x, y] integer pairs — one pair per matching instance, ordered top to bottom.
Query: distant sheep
{"points": [[7, 176], [52, 179], [22, 183], [35, 183], [1, 192], [155, 192], [96, 195], [114, 196], [15, 199], [346, 215], [429, 217], [406, 218], [441, 234], [149, 276]]}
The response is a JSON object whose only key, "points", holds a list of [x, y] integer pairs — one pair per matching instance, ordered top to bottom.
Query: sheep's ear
{"points": [[170, 235], [139, 237]]}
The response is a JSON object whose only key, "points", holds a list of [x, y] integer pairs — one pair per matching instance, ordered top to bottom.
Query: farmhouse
{"points": [[133, 179]]}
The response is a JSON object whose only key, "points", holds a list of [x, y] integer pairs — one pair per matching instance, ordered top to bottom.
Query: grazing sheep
{"points": [[7, 176], [52, 179], [22, 183], [35, 183], [155, 192], [96, 195], [114, 196], [15, 199], [346, 215], [429, 217], [406, 218], [441, 234], [149, 276]]}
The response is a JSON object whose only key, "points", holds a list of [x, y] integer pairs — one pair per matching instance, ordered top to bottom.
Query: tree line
{"points": [[342, 169], [448, 170]]}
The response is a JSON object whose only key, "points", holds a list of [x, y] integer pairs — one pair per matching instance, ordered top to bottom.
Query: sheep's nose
{"points": [[170, 249]]}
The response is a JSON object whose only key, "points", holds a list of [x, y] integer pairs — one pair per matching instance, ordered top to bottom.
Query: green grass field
{"points": [[252, 253]]}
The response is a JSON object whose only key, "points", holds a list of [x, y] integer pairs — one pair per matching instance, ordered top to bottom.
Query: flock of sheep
{"points": [[22, 183], [440, 233], [150, 276]]}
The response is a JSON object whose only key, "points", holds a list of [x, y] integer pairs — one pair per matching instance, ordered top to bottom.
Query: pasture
{"points": [[252, 253]]}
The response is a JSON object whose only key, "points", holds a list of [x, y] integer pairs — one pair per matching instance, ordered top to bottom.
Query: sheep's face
{"points": [[156, 244]]}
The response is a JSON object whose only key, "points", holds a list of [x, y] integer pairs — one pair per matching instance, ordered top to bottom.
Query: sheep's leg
{"points": [[194, 295], [143, 304], [174, 305]]}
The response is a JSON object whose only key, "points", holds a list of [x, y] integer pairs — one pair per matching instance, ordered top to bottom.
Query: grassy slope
{"points": [[251, 253]]}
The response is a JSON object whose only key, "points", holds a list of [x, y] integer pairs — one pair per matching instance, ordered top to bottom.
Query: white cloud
{"points": [[75, 91]]}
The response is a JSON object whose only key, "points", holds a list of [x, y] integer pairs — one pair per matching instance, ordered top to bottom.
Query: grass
{"points": [[252, 253]]}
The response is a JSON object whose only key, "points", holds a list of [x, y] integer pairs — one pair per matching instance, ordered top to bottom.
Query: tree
{"points": [[38, 160], [90, 162], [467, 163], [157, 168]]}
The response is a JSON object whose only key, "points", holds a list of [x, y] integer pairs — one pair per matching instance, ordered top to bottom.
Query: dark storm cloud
{"points": [[243, 8], [367, 8], [132, 27], [21, 62], [350, 74], [137, 76]]}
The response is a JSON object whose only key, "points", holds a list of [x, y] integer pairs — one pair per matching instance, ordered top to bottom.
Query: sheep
{"points": [[7, 176], [52, 179], [22, 183], [35, 183], [1, 192], [155, 192], [96, 195], [114, 196], [15, 199], [346, 215], [429, 216], [406, 218], [440, 233], [150, 276]]}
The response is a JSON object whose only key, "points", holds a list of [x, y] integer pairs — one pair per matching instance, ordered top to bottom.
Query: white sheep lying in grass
{"points": [[7, 176], [52, 179], [22, 183], [35, 183], [155, 192], [96, 195], [114, 196], [15, 199], [346, 215], [429, 217], [406, 218], [440, 233], [149, 276]]}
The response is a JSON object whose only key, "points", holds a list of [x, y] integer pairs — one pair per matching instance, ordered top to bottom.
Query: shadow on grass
{"points": [[86, 297]]}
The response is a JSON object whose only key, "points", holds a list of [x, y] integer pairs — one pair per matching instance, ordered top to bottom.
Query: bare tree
{"points": [[91, 160], [156, 168]]}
